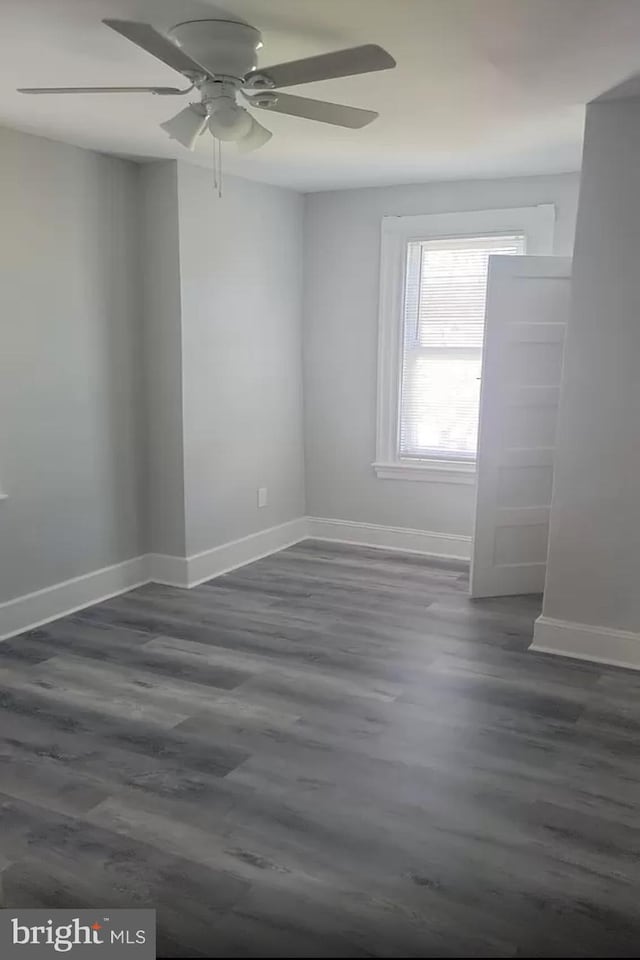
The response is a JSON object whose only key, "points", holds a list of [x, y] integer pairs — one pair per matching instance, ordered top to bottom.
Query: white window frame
{"points": [[537, 223]]}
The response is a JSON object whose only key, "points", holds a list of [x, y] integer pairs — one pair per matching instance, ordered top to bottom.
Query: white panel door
{"points": [[526, 315]]}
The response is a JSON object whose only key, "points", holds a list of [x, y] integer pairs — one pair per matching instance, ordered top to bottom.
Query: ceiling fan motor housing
{"points": [[223, 47]]}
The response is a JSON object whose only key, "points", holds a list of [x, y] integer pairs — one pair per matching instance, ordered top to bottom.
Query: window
{"points": [[432, 306], [443, 327]]}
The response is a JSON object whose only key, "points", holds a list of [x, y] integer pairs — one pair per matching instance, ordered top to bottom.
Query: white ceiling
{"points": [[483, 88]]}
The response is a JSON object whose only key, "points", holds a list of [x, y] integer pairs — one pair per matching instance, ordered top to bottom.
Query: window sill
{"points": [[428, 471]]}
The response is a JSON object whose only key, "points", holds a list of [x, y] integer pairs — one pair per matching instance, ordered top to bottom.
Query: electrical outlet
{"points": [[262, 497]]}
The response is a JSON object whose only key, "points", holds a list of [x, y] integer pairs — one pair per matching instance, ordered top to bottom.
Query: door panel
{"points": [[526, 315]]}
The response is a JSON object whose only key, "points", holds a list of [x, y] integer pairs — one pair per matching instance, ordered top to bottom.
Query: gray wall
{"points": [[342, 250], [241, 278], [160, 280], [69, 363], [151, 377], [594, 535]]}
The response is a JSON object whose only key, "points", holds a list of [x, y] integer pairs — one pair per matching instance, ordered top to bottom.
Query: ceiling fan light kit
{"points": [[220, 60], [187, 125]]}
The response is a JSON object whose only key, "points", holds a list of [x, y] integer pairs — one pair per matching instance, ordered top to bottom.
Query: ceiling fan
{"points": [[219, 58]]}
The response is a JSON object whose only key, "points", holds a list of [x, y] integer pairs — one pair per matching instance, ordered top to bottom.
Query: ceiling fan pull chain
{"points": [[217, 166]]}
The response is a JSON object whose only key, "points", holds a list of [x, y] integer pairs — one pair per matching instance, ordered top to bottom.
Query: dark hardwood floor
{"points": [[330, 752]]}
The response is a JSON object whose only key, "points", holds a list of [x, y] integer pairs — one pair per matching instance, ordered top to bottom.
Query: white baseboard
{"points": [[448, 546], [212, 563], [167, 569], [190, 571], [33, 609], [618, 648]]}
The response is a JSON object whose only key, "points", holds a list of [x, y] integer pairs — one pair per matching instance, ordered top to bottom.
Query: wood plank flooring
{"points": [[331, 752]]}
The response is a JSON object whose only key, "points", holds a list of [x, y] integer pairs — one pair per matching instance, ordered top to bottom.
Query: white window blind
{"points": [[443, 330]]}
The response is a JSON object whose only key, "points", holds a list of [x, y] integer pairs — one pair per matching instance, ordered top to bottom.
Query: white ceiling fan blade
{"points": [[159, 46], [340, 63], [160, 91], [319, 110], [187, 125], [257, 137]]}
